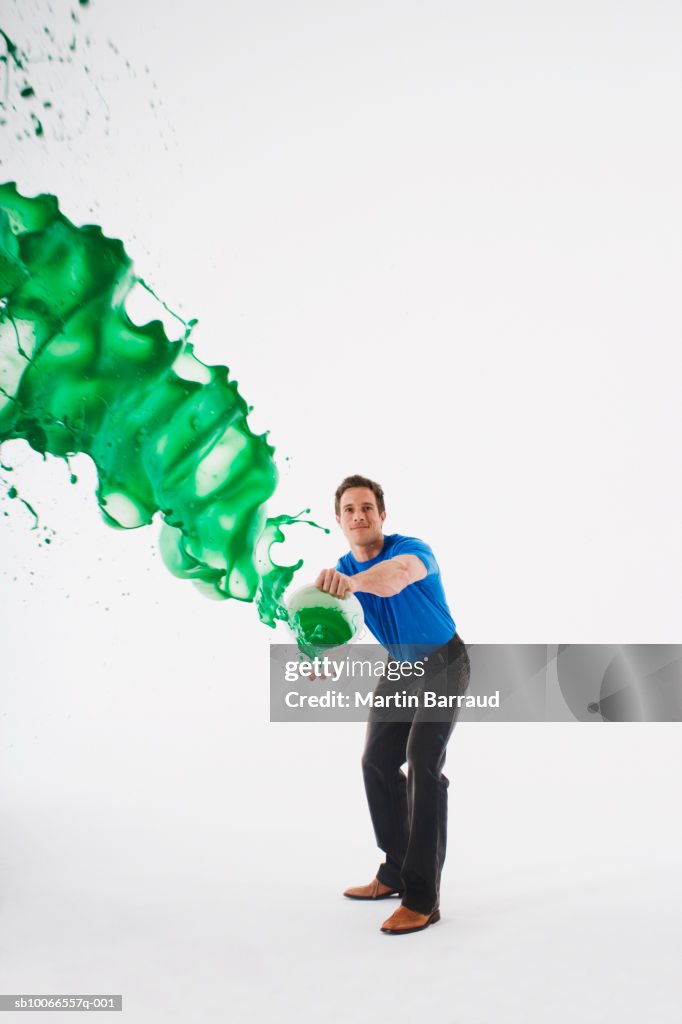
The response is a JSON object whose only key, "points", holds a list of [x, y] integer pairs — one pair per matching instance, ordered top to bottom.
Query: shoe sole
{"points": [[373, 899], [435, 916]]}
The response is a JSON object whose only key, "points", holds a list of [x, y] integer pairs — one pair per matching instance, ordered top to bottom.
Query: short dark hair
{"points": [[359, 481]]}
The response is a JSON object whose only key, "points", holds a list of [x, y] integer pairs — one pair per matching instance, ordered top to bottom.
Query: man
{"points": [[397, 581]]}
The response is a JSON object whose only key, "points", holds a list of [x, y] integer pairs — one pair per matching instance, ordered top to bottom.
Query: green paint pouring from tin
{"points": [[168, 434], [320, 627]]}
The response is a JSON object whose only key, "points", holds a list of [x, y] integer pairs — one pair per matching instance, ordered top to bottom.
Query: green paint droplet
{"points": [[12, 51], [27, 91], [164, 430], [12, 492], [32, 511]]}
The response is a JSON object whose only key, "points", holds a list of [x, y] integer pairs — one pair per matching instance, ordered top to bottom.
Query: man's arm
{"points": [[383, 580]]}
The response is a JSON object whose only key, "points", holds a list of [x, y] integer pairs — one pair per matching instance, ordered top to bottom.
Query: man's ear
{"points": [[382, 516], [338, 519]]}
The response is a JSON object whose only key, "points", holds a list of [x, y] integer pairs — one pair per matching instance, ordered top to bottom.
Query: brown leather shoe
{"points": [[376, 890], [403, 921]]}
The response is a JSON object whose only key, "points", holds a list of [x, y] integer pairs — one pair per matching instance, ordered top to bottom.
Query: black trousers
{"points": [[409, 812]]}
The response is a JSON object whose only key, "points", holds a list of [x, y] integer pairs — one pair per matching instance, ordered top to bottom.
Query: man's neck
{"points": [[367, 552]]}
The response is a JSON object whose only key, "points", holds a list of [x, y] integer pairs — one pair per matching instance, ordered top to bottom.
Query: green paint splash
{"points": [[168, 434]]}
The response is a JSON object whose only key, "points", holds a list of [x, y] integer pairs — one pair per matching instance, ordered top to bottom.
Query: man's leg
{"points": [[386, 787], [427, 788]]}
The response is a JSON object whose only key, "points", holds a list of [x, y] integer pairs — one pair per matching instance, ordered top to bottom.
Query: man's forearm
{"points": [[384, 580]]}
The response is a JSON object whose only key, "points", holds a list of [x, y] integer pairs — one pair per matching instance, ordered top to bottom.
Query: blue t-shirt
{"points": [[418, 615]]}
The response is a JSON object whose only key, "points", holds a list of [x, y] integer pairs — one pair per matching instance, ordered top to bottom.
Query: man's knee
{"points": [[381, 757], [426, 760]]}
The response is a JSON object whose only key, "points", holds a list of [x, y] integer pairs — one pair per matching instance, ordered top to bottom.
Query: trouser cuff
{"points": [[389, 878], [419, 904]]}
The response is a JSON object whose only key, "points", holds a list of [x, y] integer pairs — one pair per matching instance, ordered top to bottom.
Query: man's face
{"points": [[359, 517]]}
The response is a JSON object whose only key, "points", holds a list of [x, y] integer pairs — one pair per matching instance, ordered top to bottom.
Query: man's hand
{"points": [[335, 583]]}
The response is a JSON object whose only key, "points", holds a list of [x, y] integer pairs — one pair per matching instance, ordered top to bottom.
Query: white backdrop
{"points": [[437, 244]]}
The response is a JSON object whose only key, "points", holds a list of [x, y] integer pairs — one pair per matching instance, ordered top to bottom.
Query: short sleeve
{"points": [[414, 546]]}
